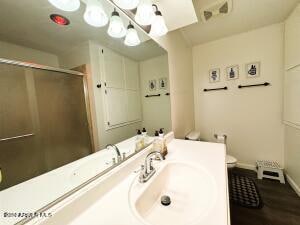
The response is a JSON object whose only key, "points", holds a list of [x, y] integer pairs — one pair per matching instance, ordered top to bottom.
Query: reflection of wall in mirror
{"points": [[21, 53], [90, 53], [156, 110]]}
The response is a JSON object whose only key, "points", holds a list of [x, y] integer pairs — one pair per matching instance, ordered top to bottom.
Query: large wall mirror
{"points": [[68, 90]]}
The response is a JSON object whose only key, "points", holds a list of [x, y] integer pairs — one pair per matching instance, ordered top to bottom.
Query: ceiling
{"points": [[246, 15], [27, 23]]}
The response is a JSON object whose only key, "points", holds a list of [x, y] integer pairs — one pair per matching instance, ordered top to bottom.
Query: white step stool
{"points": [[271, 167]]}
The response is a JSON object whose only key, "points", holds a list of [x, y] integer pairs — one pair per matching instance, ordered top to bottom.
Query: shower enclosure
{"points": [[44, 120]]}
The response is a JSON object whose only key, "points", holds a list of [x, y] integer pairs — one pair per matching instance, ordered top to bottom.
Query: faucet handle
{"points": [[123, 155], [119, 158], [142, 173]]}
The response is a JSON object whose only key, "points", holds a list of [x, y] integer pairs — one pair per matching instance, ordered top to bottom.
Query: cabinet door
{"points": [[292, 37], [113, 69], [131, 74], [292, 96], [134, 110], [116, 112]]}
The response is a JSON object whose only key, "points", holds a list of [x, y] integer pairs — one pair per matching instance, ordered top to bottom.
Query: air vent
{"points": [[218, 8]]}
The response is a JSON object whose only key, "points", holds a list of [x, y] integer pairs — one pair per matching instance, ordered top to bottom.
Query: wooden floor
{"points": [[281, 204]]}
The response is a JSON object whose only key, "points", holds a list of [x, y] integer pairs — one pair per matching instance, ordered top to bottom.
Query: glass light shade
{"points": [[127, 4], [66, 5], [145, 13], [94, 14], [158, 26], [116, 27], [132, 38]]}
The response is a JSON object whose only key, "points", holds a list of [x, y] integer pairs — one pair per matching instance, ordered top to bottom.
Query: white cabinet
{"points": [[292, 37], [113, 69], [131, 74], [121, 90], [292, 96], [116, 106], [134, 109]]}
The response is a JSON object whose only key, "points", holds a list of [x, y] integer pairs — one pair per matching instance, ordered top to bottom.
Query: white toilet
{"points": [[230, 160]]}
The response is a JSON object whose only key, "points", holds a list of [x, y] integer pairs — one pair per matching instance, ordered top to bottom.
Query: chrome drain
{"points": [[165, 200]]}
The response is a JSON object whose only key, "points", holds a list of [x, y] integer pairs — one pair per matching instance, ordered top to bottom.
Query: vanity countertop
{"points": [[96, 206]]}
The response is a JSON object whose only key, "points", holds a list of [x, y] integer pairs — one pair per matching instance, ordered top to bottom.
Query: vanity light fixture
{"points": [[127, 4], [66, 5], [144, 13], [94, 14], [59, 19], [158, 26], [116, 27], [132, 38]]}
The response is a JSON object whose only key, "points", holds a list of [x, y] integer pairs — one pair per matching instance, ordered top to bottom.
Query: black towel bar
{"points": [[254, 85], [215, 89], [148, 96]]}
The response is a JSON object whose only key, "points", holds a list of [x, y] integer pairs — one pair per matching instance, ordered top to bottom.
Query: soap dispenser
{"points": [[144, 132], [161, 132], [145, 136], [139, 142], [156, 142], [159, 142], [163, 145]]}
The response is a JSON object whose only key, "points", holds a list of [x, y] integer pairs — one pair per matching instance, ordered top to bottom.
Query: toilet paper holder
{"points": [[221, 138]]}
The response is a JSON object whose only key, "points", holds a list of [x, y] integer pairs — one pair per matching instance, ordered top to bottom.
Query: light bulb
{"points": [[127, 4], [66, 5], [94, 14], [144, 14], [158, 26], [116, 27], [132, 38]]}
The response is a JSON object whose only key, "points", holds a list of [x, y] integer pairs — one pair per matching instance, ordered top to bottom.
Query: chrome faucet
{"points": [[119, 158], [147, 170]]}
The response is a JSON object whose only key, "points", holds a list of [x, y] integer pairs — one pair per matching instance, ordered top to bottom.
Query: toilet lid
{"points": [[230, 159]]}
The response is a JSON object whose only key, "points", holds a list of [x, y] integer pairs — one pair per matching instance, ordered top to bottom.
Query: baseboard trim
{"points": [[246, 166], [293, 184]]}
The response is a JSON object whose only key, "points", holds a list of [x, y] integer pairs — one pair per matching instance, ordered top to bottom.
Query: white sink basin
{"points": [[192, 190]]}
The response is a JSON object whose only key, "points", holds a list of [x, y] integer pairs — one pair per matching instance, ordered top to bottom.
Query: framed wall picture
{"points": [[253, 69], [232, 72], [214, 75], [163, 83], [152, 85]]}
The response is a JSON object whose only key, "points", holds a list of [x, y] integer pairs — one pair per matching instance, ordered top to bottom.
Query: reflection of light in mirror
{"points": [[127, 4], [66, 5], [94, 14], [144, 14], [60, 20], [158, 26], [116, 27], [132, 38]]}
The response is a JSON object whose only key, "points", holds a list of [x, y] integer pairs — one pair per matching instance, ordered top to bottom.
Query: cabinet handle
{"points": [[98, 85]]}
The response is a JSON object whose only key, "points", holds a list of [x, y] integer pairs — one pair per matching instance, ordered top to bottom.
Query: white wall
{"points": [[21, 53], [181, 82], [291, 99], [156, 110], [250, 117], [292, 155]]}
